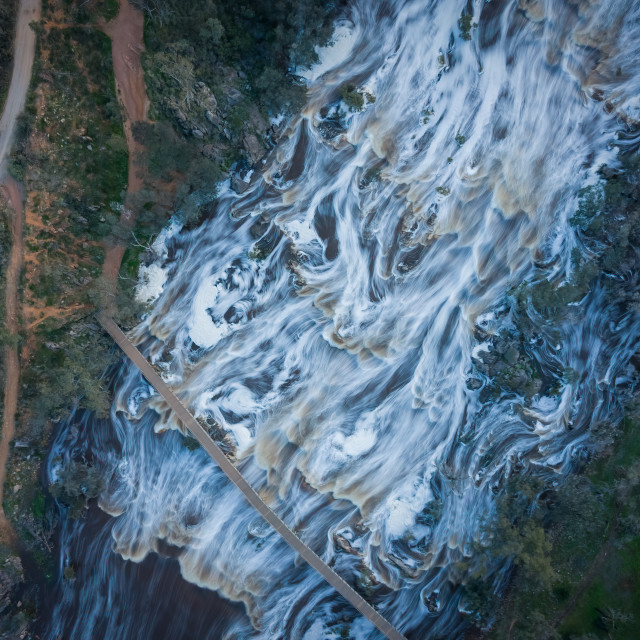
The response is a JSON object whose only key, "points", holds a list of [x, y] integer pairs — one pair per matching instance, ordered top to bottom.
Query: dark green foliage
{"points": [[108, 9], [8, 10], [465, 21], [264, 40], [217, 69], [88, 94], [353, 98], [427, 113], [83, 166], [195, 174], [608, 220], [608, 225], [131, 261], [67, 368], [190, 443], [37, 506], [518, 532], [586, 537], [45, 564], [69, 572]]}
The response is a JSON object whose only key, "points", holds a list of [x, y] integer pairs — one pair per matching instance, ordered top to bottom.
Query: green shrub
{"points": [[352, 97]]}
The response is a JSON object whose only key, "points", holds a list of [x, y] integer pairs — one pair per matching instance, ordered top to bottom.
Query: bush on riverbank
{"points": [[574, 545]]}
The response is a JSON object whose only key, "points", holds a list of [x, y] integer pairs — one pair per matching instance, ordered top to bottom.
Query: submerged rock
{"points": [[238, 184]]}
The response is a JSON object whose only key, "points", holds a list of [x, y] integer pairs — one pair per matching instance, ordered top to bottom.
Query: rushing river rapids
{"points": [[325, 326]]}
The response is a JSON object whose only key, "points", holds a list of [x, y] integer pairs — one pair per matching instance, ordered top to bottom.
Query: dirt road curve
{"points": [[127, 43], [24, 50], [13, 196], [236, 477]]}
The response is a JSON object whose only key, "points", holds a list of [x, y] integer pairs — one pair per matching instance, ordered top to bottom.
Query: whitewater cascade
{"points": [[322, 325]]}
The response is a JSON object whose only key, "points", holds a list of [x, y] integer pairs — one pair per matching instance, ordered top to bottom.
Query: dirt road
{"points": [[127, 44], [24, 50], [13, 196]]}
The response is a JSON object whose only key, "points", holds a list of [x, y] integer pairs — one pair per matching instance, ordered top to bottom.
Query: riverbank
{"points": [[574, 542]]}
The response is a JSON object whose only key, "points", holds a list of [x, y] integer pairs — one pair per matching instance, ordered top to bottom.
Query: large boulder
{"points": [[253, 147], [238, 184]]}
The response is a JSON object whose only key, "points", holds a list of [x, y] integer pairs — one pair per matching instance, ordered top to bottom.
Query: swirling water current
{"points": [[322, 324]]}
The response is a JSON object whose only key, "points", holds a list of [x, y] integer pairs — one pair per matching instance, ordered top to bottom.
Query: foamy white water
{"points": [[325, 319]]}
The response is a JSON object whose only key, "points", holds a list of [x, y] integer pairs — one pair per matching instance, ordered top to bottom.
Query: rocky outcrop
{"points": [[226, 121], [254, 148], [239, 183], [507, 366], [13, 619]]}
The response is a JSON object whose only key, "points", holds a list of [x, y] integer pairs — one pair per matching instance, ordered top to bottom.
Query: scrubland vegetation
{"points": [[8, 10]]}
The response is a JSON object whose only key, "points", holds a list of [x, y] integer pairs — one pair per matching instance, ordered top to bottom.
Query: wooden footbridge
{"points": [[247, 490]]}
